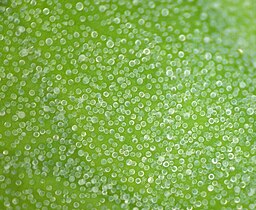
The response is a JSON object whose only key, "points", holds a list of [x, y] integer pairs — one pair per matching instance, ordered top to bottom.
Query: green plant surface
{"points": [[120, 104]]}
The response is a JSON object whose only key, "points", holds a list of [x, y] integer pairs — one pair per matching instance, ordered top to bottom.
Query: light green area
{"points": [[127, 104]]}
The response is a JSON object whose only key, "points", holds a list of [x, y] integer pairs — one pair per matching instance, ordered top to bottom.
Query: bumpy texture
{"points": [[120, 104]]}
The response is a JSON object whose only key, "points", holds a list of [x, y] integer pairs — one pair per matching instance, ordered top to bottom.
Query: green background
{"points": [[127, 104]]}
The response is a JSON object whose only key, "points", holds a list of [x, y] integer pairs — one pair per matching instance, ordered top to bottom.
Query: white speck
{"points": [[79, 6], [46, 11], [165, 12], [21, 29], [94, 34], [182, 38], [207, 39], [49, 41], [110, 44], [146, 51], [240, 51], [23, 52], [181, 54], [208, 56], [81, 58], [169, 73], [186, 73], [86, 80], [140, 81], [219, 83], [242, 84], [56, 90], [171, 111], [250, 111], [228, 112], [2, 113], [21, 114], [74, 127], [169, 136], [161, 158], [2, 178], [150, 180], [81, 182], [210, 188]]}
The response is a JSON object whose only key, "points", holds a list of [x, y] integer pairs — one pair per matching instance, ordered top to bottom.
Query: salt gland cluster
{"points": [[121, 104]]}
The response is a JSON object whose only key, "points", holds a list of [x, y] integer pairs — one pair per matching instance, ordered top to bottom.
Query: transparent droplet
{"points": [[79, 6], [165, 12], [182, 37], [49, 41], [110, 44], [146, 51], [208, 56], [169, 73], [140, 81], [250, 111], [21, 114], [74, 127], [150, 180], [210, 188]]}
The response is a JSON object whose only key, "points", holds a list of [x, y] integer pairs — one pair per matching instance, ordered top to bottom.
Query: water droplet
{"points": [[79, 6], [165, 12], [49, 41], [110, 44], [208, 56], [169, 73], [140, 81], [250, 111], [21, 114], [74, 127], [150, 180], [210, 188]]}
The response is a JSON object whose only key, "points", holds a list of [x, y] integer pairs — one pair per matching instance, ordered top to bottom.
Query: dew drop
{"points": [[79, 6], [165, 12], [49, 41], [110, 44], [208, 56], [250, 111], [21, 114], [210, 188]]}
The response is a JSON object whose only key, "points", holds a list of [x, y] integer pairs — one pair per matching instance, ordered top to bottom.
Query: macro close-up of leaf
{"points": [[128, 104]]}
